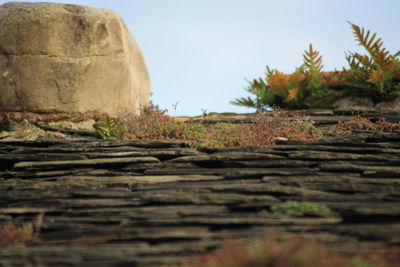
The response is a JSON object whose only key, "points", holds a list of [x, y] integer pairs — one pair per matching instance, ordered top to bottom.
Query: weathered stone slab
{"points": [[343, 149], [159, 153], [314, 155], [39, 157], [227, 157], [82, 163], [272, 163], [182, 171], [368, 171], [260, 172], [231, 173], [383, 173], [44, 174], [149, 179], [341, 183], [100, 186], [274, 189], [201, 198], [78, 203], [364, 209], [24, 210], [157, 211], [238, 219], [370, 231]]}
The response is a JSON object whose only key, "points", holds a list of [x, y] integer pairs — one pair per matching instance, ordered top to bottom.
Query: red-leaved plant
{"points": [[22, 236], [299, 253]]}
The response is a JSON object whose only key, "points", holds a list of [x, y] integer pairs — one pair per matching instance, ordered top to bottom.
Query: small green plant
{"points": [[361, 123], [110, 128], [300, 209]]}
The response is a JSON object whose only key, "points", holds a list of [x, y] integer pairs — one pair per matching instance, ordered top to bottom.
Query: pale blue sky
{"points": [[199, 52]]}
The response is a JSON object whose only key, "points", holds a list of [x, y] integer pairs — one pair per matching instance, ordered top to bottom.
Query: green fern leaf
{"points": [[375, 48], [312, 59]]}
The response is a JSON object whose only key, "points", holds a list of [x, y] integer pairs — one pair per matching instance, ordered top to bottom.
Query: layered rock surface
{"points": [[69, 58], [151, 202]]}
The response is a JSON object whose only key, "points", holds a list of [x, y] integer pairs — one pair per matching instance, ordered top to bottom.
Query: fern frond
{"points": [[374, 47], [312, 59], [352, 61], [366, 62], [270, 71], [376, 77], [257, 86], [263, 96], [247, 102]]}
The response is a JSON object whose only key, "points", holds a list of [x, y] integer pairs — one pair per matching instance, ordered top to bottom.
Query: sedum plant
{"points": [[361, 123], [264, 128]]}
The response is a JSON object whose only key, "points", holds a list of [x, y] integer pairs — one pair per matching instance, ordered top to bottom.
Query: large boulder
{"points": [[69, 58]]}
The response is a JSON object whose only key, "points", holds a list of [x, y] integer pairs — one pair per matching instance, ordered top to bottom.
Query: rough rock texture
{"points": [[69, 58], [351, 103], [391, 105], [25, 130], [145, 203]]}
